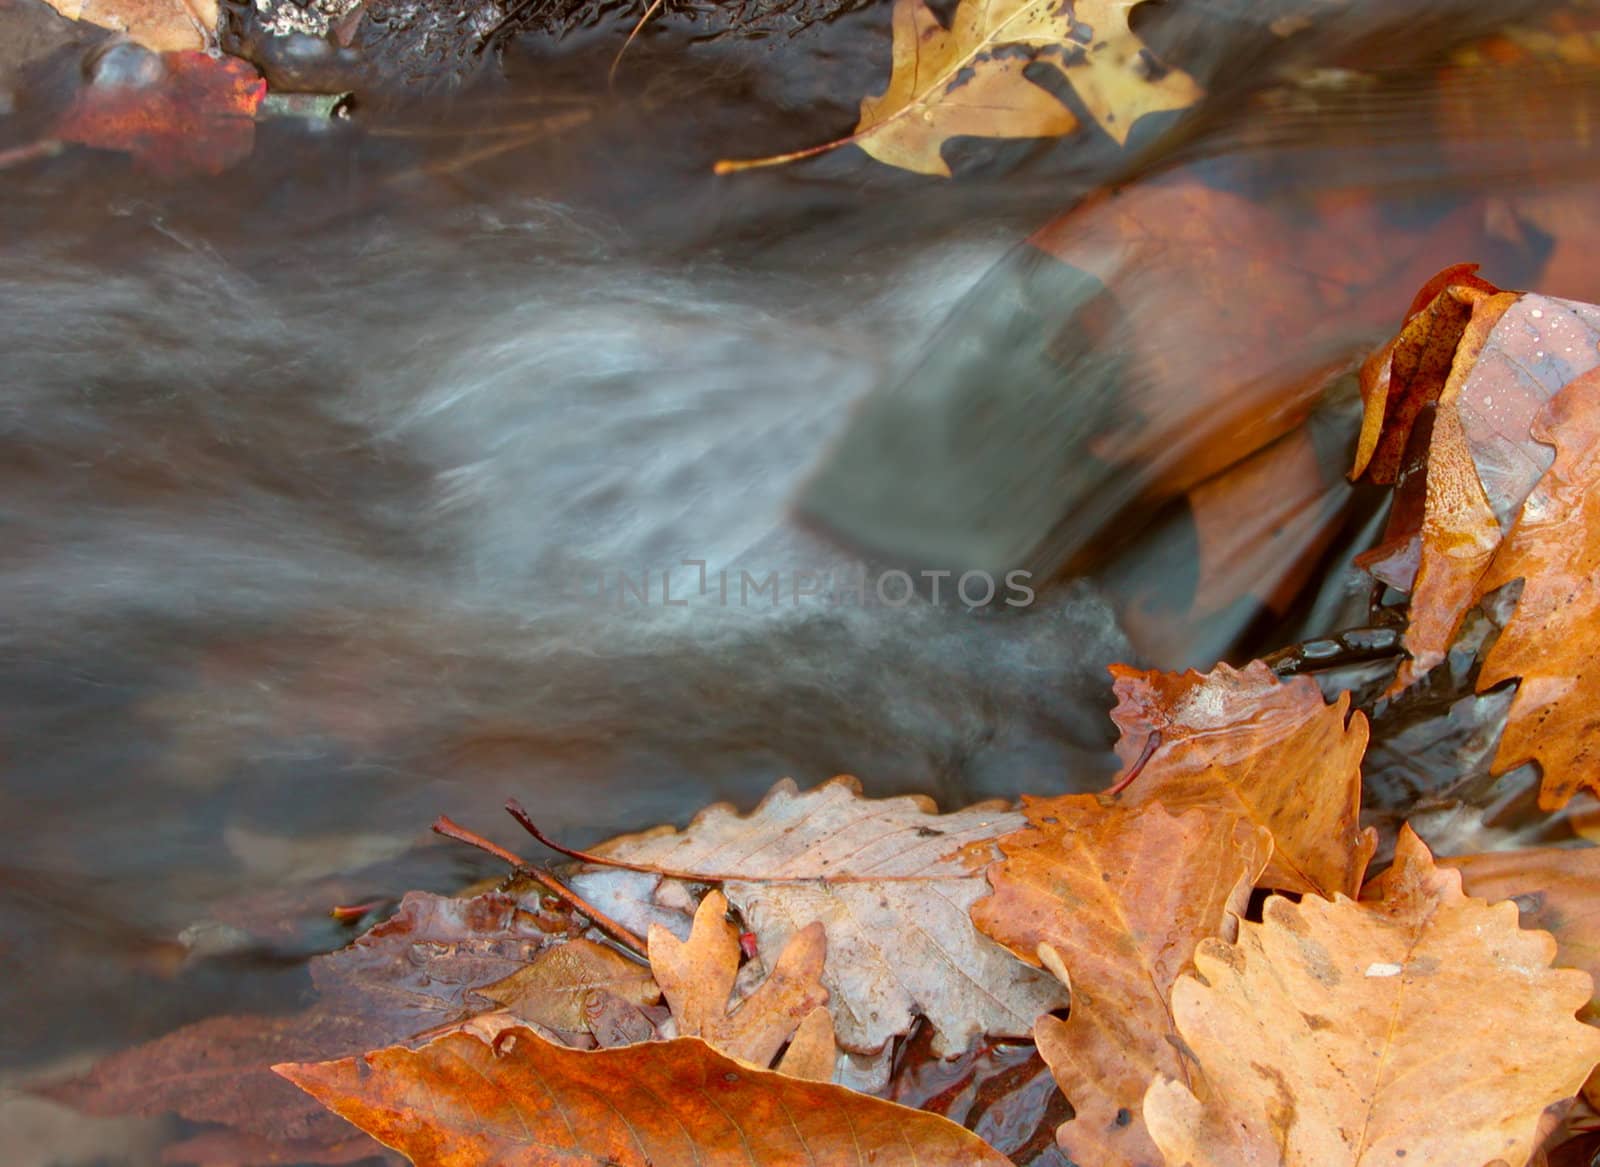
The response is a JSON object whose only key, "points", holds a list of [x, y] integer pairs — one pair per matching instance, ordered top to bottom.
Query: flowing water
{"points": [[351, 487]]}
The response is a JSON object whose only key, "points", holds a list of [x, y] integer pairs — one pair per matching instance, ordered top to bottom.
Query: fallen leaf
{"points": [[162, 25], [969, 79], [197, 117], [1478, 364], [1550, 643], [1271, 751], [891, 881], [1103, 889], [1556, 890], [413, 972], [697, 976], [552, 989], [1425, 1027], [813, 1050], [461, 1102]]}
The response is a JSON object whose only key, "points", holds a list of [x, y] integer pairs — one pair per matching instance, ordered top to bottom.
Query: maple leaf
{"points": [[969, 79], [1480, 363], [1550, 642], [1273, 752], [890, 880], [1098, 889], [698, 976], [1425, 1026], [461, 1101]]}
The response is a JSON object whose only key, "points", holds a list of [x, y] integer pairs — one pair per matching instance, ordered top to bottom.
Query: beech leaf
{"points": [[521, 1101]]}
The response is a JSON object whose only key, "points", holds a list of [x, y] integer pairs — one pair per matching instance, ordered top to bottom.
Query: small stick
{"points": [[611, 77], [1152, 742], [516, 810], [451, 829], [618, 932]]}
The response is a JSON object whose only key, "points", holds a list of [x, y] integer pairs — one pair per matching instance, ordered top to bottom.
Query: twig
{"points": [[611, 76], [1152, 742], [516, 810], [451, 829], [617, 931]]}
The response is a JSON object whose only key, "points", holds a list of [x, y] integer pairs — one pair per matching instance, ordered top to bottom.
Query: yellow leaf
{"points": [[968, 79], [1425, 1027]]}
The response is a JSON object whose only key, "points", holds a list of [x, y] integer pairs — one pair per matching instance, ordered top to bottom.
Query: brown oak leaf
{"points": [[1272, 751], [1118, 897], [1425, 1027]]}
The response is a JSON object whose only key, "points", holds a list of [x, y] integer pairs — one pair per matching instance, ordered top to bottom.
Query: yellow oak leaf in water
{"points": [[968, 79]]}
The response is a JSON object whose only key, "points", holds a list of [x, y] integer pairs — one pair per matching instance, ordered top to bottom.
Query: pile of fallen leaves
{"points": [[1197, 953]]}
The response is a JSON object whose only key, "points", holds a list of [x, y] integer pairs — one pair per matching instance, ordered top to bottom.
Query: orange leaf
{"points": [[197, 117], [1488, 360], [1551, 641], [1272, 752], [1098, 888], [1556, 889], [698, 975], [554, 988], [1424, 1028], [523, 1102]]}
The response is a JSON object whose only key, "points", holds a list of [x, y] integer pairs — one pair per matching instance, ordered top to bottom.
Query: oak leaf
{"points": [[969, 79], [1449, 404], [1550, 642], [1272, 751], [891, 881], [1556, 889], [1119, 897], [697, 976], [1425, 1027], [461, 1101]]}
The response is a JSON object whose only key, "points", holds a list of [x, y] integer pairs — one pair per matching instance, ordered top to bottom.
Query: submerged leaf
{"points": [[969, 79]]}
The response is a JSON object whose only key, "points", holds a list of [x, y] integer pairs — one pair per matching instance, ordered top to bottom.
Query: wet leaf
{"points": [[162, 25], [969, 79], [197, 117], [1475, 364], [1551, 643], [1271, 751], [890, 881], [1104, 890], [1557, 890], [415, 971], [697, 976], [552, 990], [1425, 1027], [460, 1101]]}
